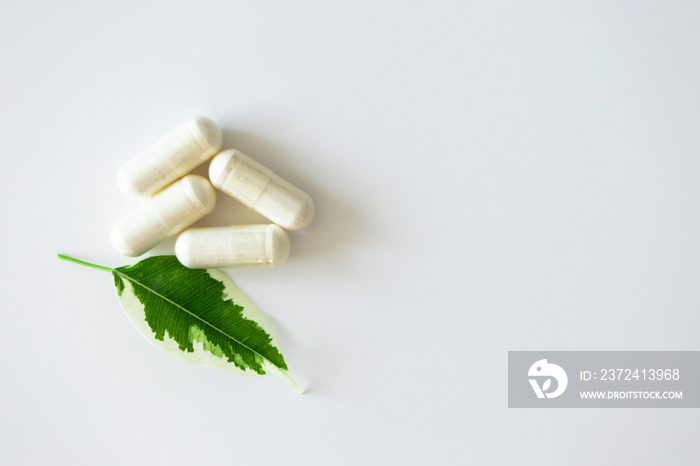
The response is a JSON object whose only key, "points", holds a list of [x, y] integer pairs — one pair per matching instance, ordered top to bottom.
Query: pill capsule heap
{"points": [[175, 200]]}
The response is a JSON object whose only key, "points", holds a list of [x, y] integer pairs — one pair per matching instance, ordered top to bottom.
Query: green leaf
{"points": [[199, 316]]}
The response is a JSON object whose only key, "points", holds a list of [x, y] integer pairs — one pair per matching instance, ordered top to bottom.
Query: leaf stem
{"points": [[83, 263]]}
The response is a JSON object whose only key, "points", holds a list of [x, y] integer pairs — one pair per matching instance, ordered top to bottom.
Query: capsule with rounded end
{"points": [[171, 157], [257, 187], [164, 215], [234, 247]]}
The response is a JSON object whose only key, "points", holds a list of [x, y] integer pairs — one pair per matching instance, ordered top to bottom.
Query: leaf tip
{"points": [[293, 381]]}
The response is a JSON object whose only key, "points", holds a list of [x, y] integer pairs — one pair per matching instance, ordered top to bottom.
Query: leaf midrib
{"points": [[130, 279]]}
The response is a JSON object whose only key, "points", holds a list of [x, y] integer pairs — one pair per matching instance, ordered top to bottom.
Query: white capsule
{"points": [[171, 157], [257, 187], [164, 215], [235, 246]]}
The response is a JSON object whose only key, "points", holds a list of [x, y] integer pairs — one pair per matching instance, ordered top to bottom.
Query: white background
{"points": [[488, 176]]}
